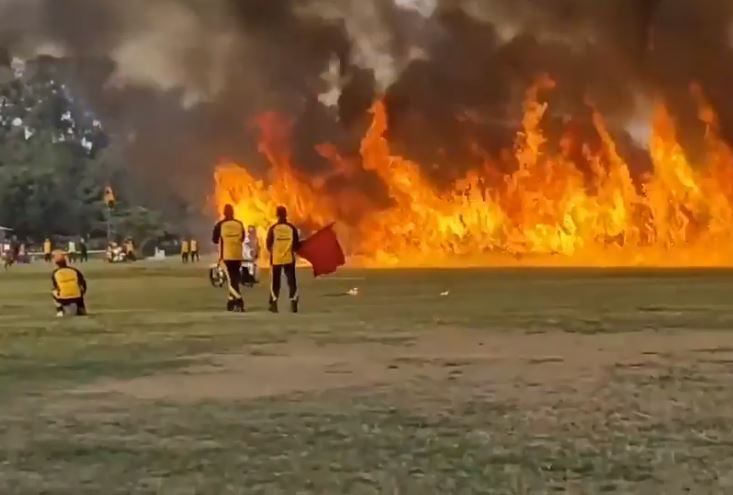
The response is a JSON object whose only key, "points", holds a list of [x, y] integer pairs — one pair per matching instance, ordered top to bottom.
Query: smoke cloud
{"points": [[182, 80]]}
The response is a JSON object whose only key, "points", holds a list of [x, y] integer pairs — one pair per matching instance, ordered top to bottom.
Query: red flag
{"points": [[323, 251]]}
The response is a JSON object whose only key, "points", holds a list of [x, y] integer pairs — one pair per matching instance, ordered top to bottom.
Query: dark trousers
{"points": [[195, 256], [184, 257], [277, 271], [234, 279], [80, 306]]}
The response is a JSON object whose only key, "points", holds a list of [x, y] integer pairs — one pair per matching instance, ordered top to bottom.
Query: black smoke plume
{"points": [[180, 82]]}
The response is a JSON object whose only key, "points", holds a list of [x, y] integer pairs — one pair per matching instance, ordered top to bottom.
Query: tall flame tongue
{"points": [[547, 212]]}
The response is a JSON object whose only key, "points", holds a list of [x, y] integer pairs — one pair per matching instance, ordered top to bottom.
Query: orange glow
{"points": [[549, 211]]}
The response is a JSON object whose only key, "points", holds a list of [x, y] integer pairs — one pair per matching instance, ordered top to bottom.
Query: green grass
{"points": [[456, 426]]}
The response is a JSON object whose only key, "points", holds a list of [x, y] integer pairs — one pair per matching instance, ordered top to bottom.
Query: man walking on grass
{"points": [[229, 235], [282, 242]]}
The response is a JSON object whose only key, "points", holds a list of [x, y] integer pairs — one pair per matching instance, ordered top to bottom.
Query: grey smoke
{"points": [[188, 76]]}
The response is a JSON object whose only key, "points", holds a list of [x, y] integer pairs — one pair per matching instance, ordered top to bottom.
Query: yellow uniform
{"points": [[229, 235], [282, 241], [184, 247], [47, 248], [194, 250], [68, 284]]}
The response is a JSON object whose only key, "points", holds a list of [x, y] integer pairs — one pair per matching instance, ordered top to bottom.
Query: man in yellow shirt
{"points": [[229, 235], [282, 242], [185, 250], [194, 251], [69, 286]]}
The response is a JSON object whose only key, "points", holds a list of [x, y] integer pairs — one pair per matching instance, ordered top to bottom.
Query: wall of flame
{"points": [[549, 211]]}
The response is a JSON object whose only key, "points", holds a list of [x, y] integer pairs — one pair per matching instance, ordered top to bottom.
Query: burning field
{"points": [[551, 200]]}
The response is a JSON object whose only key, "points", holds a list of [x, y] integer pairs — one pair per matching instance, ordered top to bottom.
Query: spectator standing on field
{"points": [[194, 246], [47, 250], [83, 250], [185, 250], [72, 254]]}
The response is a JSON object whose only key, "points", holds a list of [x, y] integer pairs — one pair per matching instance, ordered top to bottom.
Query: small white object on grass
{"points": [[353, 292], [446, 293]]}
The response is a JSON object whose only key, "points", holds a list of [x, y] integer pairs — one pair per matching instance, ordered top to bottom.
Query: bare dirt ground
{"points": [[507, 362]]}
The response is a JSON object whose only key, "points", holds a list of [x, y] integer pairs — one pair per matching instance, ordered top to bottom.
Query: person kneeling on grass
{"points": [[69, 287]]}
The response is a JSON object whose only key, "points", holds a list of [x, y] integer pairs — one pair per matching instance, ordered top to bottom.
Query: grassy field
{"points": [[516, 381]]}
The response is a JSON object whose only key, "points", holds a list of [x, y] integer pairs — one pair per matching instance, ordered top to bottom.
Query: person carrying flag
{"points": [[229, 235], [282, 243], [69, 286]]}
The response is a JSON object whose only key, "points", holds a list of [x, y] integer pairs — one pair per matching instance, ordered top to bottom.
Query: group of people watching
{"points": [[230, 236], [190, 251], [17, 252], [76, 253]]}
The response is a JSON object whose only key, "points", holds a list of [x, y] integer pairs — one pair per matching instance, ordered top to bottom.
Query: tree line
{"points": [[56, 160]]}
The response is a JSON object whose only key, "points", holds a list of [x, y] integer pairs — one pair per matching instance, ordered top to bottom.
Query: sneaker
{"points": [[294, 306], [238, 307], [273, 307], [60, 313]]}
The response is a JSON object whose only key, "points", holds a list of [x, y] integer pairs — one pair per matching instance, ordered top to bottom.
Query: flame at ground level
{"points": [[550, 211]]}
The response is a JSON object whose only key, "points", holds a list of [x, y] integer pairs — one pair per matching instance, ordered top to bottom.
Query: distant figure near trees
{"points": [[194, 246], [47, 250], [83, 250], [185, 250], [72, 256]]}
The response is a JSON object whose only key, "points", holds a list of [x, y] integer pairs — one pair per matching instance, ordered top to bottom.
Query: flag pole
{"points": [[109, 224]]}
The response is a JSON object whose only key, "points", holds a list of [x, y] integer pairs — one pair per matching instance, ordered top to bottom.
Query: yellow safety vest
{"points": [[67, 283]]}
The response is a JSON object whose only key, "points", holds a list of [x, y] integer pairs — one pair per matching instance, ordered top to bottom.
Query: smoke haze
{"points": [[183, 80]]}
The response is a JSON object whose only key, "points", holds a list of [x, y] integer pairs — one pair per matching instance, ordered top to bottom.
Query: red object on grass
{"points": [[323, 251]]}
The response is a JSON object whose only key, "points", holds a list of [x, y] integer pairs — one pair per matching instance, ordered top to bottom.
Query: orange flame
{"points": [[549, 211]]}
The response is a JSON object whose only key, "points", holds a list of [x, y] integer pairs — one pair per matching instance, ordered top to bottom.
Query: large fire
{"points": [[549, 211]]}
